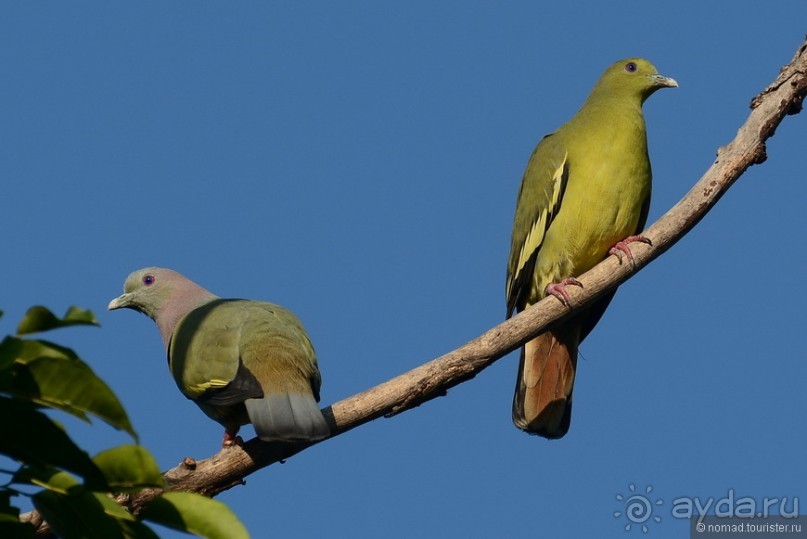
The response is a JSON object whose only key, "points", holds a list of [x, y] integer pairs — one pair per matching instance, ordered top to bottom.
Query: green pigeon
{"points": [[585, 194], [240, 361]]}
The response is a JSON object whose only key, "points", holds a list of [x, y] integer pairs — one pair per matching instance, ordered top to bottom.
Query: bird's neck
{"points": [[614, 117], [190, 298]]}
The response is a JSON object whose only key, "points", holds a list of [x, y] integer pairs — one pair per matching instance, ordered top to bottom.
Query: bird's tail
{"points": [[543, 401], [287, 417]]}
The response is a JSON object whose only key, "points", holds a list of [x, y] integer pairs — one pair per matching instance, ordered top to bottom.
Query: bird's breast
{"points": [[601, 206]]}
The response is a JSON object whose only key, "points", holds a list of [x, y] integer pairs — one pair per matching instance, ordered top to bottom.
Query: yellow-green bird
{"points": [[585, 194]]}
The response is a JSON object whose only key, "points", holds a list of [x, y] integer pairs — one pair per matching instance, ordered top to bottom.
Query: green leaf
{"points": [[39, 318], [9, 350], [55, 376], [31, 437], [129, 467], [47, 477], [60, 482], [5, 504], [111, 507], [89, 514], [197, 514], [9, 515], [76, 516], [10, 525], [14, 529], [132, 529]]}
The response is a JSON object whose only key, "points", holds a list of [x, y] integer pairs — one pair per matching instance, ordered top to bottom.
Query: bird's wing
{"points": [[539, 200], [276, 349], [204, 355]]}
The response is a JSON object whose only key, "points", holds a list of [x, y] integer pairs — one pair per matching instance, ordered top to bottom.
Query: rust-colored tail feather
{"points": [[543, 401]]}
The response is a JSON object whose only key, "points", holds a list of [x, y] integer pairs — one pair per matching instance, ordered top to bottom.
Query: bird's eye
{"points": [[630, 67], [148, 280]]}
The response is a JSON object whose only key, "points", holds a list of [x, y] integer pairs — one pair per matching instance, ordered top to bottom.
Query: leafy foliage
{"points": [[39, 318], [54, 376], [77, 491], [196, 514]]}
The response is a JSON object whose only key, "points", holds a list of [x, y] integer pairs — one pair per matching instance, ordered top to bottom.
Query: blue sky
{"points": [[359, 165]]}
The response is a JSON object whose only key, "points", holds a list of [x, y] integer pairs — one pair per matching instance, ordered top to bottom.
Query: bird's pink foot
{"points": [[624, 247], [559, 289], [231, 438]]}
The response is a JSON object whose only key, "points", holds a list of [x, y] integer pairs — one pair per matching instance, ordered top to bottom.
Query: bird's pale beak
{"points": [[664, 82], [119, 302]]}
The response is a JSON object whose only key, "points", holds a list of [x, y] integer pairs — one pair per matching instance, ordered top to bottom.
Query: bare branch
{"points": [[230, 466]]}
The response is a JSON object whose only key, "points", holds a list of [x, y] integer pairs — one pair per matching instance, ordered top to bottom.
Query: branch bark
{"points": [[230, 466]]}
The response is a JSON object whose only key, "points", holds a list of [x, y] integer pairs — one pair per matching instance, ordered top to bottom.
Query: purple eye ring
{"points": [[630, 67], [148, 280]]}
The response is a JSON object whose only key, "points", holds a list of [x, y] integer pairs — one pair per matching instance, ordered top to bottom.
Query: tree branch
{"points": [[230, 466]]}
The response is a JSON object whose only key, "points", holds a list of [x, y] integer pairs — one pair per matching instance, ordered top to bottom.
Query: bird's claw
{"points": [[624, 247], [559, 289], [231, 439]]}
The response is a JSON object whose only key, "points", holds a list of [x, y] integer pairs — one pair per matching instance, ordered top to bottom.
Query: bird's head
{"points": [[632, 77], [148, 290], [163, 295]]}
